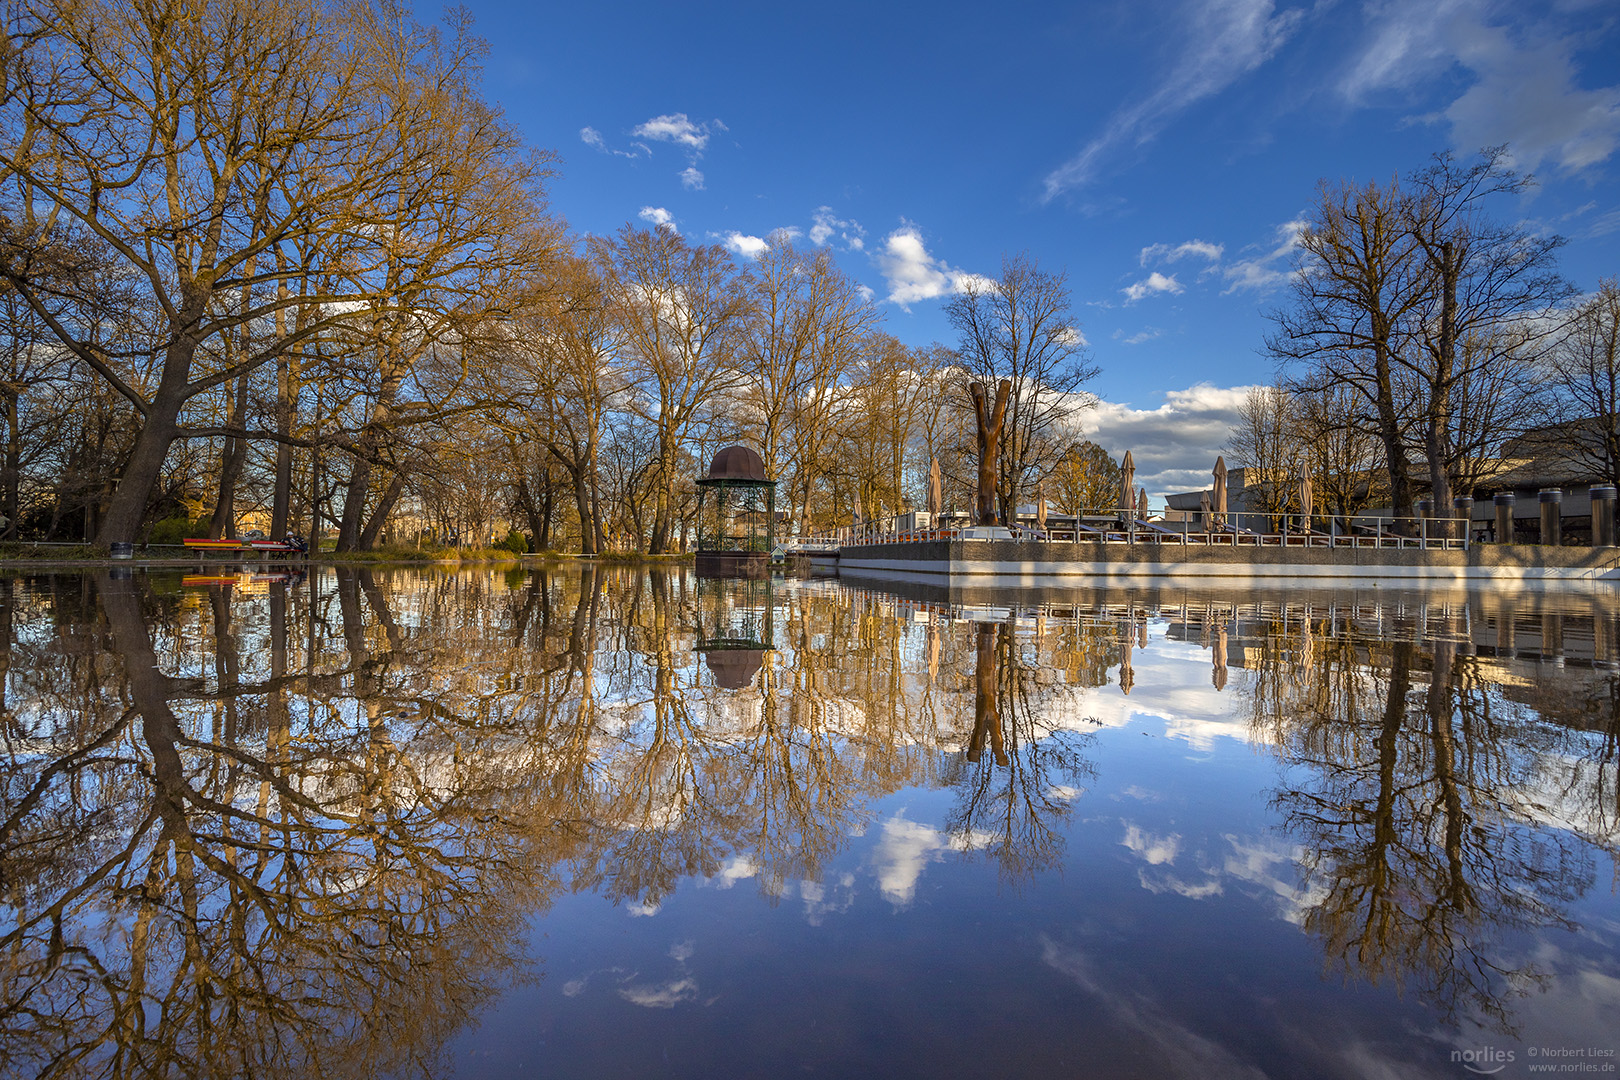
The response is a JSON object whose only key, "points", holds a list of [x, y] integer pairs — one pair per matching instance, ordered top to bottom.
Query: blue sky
{"points": [[1159, 152]]}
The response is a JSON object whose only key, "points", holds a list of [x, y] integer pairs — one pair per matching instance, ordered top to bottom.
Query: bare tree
{"points": [[196, 143], [1485, 288], [1354, 294], [682, 315], [1020, 327], [1586, 376], [1266, 442]]}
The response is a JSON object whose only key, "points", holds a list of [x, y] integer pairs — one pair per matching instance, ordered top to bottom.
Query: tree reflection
{"points": [[1414, 789], [1013, 805], [327, 892]]}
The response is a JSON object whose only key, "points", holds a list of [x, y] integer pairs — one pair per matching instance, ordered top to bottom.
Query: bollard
{"points": [[1603, 496], [1464, 507], [1504, 517], [1552, 522]]}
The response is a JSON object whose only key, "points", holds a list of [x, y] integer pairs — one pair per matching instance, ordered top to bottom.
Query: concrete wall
{"points": [[1030, 560]]}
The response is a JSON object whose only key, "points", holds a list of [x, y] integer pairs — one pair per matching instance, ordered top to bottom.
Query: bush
{"points": [[174, 530], [516, 543]]}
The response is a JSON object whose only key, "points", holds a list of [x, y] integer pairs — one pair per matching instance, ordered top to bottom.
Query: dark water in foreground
{"points": [[632, 824]]}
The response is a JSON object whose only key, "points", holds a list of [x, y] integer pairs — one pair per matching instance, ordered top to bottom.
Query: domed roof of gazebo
{"points": [[737, 463]]}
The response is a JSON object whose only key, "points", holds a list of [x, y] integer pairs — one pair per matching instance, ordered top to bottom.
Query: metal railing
{"points": [[1239, 529]]}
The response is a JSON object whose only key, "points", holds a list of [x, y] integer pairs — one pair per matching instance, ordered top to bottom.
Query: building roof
{"points": [[737, 463]]}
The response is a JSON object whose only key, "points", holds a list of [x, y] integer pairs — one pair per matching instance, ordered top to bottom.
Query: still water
{"points": [[621, 823]]}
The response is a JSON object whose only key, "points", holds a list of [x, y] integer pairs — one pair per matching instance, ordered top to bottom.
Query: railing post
{"points": [[1603, 497], [1464, 505], [1504, 516], [1552, 523]]}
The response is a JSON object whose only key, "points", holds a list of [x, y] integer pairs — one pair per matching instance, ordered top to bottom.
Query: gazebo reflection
{"points": [[736, 627]]}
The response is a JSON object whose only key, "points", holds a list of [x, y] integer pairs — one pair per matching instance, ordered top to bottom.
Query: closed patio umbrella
{"points": [[1127, 482], [1220, 490], [936, 493], [1307, 501], [1141, 503], [1040, 507], [1204, 512]]}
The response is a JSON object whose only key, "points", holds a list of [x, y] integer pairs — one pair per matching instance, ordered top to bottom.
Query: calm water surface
{"points": [[636, 824]]}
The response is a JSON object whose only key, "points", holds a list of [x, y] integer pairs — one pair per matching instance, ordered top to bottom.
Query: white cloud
{"points": [[1223, 40], [1526, 89], [675, 128], [691, 178], [657, 215], [826, 225], [749, 247], [1169, 253], [1270, 268], [914, 275], [1150, 285], [1145, 334], [1073, 337], [1174, 445], [905, 848], [1153, 850], [901, 853], [737, 868], [662, 995]]}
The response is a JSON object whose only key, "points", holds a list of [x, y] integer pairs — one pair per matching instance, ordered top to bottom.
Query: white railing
{"points": [[1233, 529]]}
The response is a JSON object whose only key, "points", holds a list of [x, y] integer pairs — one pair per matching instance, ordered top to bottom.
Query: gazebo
{"points": [[736, 516]]}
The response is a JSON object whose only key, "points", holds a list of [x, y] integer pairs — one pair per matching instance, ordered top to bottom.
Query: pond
{"points": [[623, 822]]}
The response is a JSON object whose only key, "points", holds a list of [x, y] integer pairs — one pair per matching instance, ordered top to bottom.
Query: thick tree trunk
{"points": [[1437, 431], [11, 473], [281, 497], [385, 506], [531, 510], [122, 519], [223, 523], [589, 533]]}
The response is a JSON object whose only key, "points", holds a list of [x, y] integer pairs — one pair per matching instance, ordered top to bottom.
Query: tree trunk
{"points": [[1437, 430], [11, 474], [281, 498], [385, 506], [122, 519], [223, 523], [588, 531]]}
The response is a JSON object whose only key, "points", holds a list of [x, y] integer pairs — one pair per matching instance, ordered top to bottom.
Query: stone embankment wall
{"points": [[1035, 560]]}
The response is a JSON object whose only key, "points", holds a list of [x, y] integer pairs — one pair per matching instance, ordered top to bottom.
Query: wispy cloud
{"points": [[1224, 40], [1527, 89], [674, 128], [594, 139], [691, 178], [826, 225], [1169, 253], [1270, 267], [913, 274], [1151, 285], [1145, 334]]}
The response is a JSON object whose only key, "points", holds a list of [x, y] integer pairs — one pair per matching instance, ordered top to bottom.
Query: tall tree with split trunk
{"points": [[1020, 327]]}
